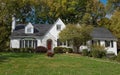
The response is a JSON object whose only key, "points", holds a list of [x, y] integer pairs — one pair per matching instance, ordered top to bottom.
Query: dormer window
{"points": [[58, 27], [29, 29]]}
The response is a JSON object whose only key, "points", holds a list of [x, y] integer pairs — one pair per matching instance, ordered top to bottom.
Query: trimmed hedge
{"points": [[41, 49], [22, 50], [58, 50], [63, 50], [70, 50]]}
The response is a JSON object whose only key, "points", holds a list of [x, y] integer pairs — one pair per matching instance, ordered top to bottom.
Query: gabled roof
{"points": [[39, 30], [100, 33]]}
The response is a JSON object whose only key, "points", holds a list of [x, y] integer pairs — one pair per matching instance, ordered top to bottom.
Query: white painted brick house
{"points": [[47, 35]]}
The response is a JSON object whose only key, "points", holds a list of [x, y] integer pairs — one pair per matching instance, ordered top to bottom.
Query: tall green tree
{"points": [[20, 8], [95, 11], [104, 22], [115, 25], [76, 34]]}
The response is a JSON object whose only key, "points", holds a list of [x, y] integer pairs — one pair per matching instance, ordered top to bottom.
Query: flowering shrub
{"points": [[50, 54]]}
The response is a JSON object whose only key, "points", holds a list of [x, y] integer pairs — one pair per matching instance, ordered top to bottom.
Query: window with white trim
{"points": [[28, 43]]}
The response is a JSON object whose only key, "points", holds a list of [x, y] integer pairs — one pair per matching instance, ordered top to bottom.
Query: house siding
{"points": [[54, 30], [53, 34], [47, 37], [15, 43], [102, 43], [113, 49]]}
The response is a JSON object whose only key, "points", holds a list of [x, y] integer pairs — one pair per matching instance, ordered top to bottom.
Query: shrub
{"points": [[97, 47], [22, 49], [41, 49], [8, 50], [16, 50], [27, 50], [31, 50], [58, 50], [63, 50], [70, 50], [98, 51], [85, 52], [95, 53], [102, 53], [50, 54], [90, 54], [113, 57], [118, 57]]}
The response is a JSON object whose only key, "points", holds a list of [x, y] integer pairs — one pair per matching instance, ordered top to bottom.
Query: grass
{"points": [[60, 64]]}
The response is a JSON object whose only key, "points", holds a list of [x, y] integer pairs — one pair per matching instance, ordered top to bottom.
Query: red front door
{"points": [[49, 44]]}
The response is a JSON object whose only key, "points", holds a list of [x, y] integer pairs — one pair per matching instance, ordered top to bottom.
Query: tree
{"points": [[112, 5], [20, 8], [96, 11], [104, 22], [115, 25], [76, 34]]}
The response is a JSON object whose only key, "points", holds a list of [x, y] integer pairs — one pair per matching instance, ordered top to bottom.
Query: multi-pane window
{"points": [[58, 27], [95, 42], [28, 43], [66, 43], [109, 43]]}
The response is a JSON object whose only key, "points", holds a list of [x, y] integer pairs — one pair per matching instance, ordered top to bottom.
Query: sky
{"points": [[104, 1]]}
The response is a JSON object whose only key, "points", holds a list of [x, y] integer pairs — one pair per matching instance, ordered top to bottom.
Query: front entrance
{"points": [[49, 44]]}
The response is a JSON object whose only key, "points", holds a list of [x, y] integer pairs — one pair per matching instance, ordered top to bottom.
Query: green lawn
{"points": [[60, 64]]}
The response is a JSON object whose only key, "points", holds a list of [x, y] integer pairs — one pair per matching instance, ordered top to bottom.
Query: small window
{"points": [[58, 27], [29, 30], [59, 42], [94, 42], [98, 42], [64, 43], [68, 43], [107, 43], [112, 44]]}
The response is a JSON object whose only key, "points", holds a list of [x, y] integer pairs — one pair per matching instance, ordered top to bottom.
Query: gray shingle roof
{"points": [[39, 30], [98, 33], [101, 33]]}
